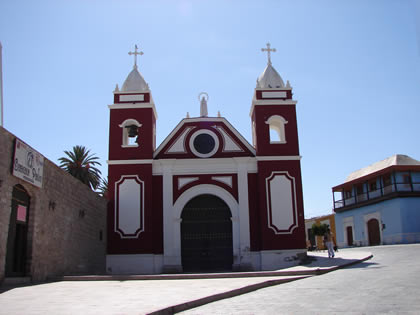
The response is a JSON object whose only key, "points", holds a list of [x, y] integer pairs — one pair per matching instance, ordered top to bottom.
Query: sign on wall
{"points": [[28, 164]]}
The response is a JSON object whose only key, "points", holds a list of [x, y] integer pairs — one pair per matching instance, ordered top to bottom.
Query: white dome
{"points": [[270, 78], [134, 82]]}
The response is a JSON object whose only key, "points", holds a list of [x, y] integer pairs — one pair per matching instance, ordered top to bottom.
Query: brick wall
{"points": [[66, 220]]}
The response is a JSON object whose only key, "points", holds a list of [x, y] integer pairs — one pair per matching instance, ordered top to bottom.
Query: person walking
{"points": [[328, 241]]}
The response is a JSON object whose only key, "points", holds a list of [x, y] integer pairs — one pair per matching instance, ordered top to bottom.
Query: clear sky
{"points": [[354, 67]]}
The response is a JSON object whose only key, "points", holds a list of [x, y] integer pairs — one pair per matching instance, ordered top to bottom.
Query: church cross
{"points": [[268, 50], [135, 53]]}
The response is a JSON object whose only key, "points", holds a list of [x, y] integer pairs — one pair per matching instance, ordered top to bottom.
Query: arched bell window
{"points": [[277, 129], [130, 133]]}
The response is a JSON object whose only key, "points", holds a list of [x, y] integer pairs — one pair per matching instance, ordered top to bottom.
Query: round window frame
{"points": [[210, 133]]}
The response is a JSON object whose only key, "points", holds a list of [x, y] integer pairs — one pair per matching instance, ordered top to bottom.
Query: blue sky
{"points": [[354, 67]]}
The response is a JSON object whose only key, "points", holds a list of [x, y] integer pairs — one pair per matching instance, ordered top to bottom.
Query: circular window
{"points": [[204, 143]]}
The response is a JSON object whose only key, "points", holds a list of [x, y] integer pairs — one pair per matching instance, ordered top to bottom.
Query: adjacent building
{"points": [[379, 204], [51, 224], [316, 241]]}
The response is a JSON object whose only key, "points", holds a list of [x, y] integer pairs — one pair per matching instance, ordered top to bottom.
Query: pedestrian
{"points": [[328, 241]]}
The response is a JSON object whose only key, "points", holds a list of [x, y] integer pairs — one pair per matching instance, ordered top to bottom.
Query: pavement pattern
{"points": [[153, 296]]}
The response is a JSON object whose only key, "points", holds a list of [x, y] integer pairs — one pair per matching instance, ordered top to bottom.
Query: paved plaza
{"points": [[387, 283]]}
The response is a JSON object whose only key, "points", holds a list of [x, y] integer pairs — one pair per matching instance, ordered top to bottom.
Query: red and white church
{"points": [[205, 199]]}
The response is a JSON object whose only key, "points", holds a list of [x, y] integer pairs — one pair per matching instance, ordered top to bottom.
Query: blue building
{"points": [[379, 204]]}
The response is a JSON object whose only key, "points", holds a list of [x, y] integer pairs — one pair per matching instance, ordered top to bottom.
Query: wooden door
{"points": [[349, 230], [374, 232], [18, 233], [206, 235]]}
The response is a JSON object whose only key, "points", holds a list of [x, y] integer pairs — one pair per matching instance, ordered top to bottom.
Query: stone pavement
{"points": [[170, 294]]}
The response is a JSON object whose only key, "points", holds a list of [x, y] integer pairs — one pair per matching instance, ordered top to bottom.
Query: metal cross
{"points": [[268, 50], [135, 53]]}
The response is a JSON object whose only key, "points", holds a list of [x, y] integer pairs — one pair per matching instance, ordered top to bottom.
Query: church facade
{"points": [[205, 199]]}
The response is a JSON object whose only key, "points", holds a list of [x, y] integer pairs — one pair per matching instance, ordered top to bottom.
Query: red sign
{"points": [[21, 213]]}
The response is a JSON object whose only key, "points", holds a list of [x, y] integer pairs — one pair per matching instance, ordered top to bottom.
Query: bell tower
{"points": [[132, 118], [275, 138], [130, 180]]}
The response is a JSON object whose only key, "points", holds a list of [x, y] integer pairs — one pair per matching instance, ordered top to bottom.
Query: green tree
{"points": [[81, 164], [103, 188], [320, 229]]}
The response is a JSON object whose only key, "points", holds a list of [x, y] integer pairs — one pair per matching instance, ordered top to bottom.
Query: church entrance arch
{"points": [[374, 232], [18, 233], [206, 235]]}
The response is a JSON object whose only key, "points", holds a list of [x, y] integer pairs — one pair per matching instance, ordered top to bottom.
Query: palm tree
{"points": [[82, 166], [103, 188]]}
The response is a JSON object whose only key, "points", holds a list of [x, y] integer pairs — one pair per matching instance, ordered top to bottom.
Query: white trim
{"points": [[274, 89], [132, 92], [273, 94], [131, 97], [274, 102], [135, 105], [212, 119], [130, 121], [277, 123], [207, 132], [125, 137], [178, 142], [129, 145], [229, 145], [279, 158], [125, 162], [205, 166], [227, 180], [182, 181], [293, 201], [116, 205], [172, 243], [279, 259], [134, 264]]}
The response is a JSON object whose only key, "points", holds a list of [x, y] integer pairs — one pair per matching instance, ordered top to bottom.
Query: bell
{"points": [[132, 131]]}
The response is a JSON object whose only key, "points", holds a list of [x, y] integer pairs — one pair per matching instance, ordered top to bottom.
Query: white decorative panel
{"points": [[274, 94], [131, 98], [228, 144], [178, 146], [223, 179], [182, 181], [281, 203], [129, 215]]}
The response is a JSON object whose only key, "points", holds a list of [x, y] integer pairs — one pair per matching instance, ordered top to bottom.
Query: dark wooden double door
{"points": [[206, 235]]}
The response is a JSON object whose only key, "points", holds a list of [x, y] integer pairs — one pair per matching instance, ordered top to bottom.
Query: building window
{"points": [[277, 129], [130, 133], [204, 143], [406, 178], [387, 180], [372, 186], [359, 189], [347, 194]]}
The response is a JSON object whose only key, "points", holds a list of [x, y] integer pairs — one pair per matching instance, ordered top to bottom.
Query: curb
{"points": [[312, 272], [253, 287], [220, 296]]}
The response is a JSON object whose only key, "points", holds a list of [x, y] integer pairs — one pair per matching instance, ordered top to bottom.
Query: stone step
{"points": [[11, 281]]}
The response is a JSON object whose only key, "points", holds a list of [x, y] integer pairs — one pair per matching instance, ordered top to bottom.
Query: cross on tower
{"points": [[268, 50], [135, 53]]}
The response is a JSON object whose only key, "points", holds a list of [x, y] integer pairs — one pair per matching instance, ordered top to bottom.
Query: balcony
{"points": [[373, 196]]}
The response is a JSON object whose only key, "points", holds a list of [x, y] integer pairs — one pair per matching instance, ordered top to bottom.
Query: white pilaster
{"points": [[244, 228], [171, 259]]}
